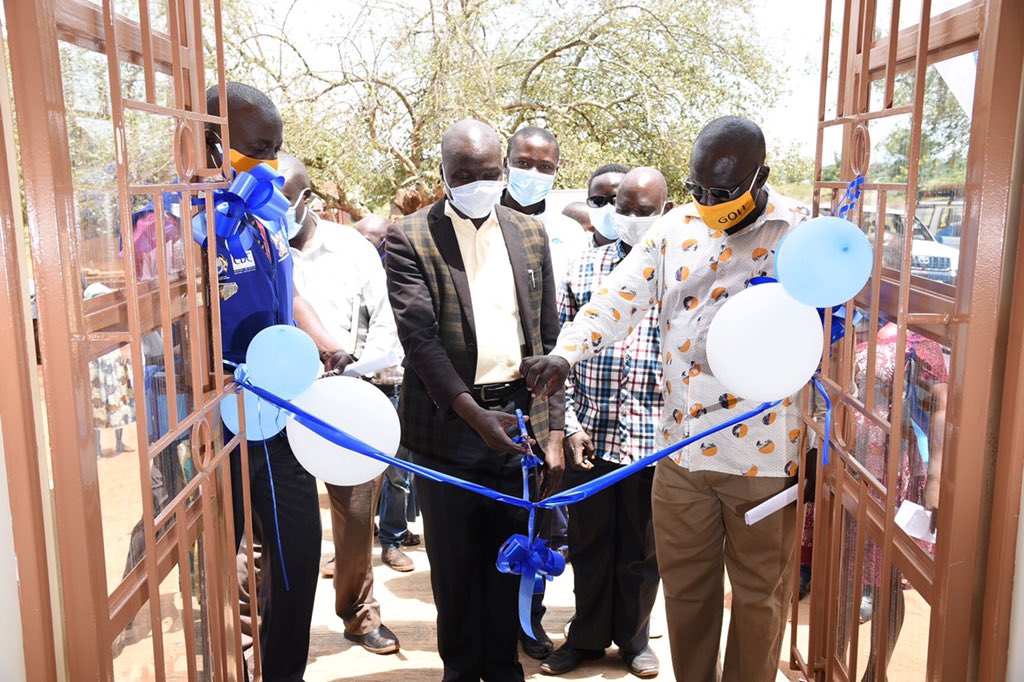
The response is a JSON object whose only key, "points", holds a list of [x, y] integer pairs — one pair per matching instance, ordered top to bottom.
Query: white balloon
{"points": [[763, 344], [359, 409]]}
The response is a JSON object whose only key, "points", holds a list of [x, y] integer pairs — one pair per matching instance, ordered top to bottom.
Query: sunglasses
{"points": [[700, 192], [599, 201]]}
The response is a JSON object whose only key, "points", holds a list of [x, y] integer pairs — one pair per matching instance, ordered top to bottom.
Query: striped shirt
{"points": [[615, 396]]}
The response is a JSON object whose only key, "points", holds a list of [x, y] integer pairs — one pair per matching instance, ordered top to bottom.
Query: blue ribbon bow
{"points": [[256, 192], [850, 198], [522, 555], [534, 562]]}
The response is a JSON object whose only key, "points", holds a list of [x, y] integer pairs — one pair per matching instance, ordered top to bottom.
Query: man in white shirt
{"points": [[531, 162], [687, 266], [340, 276]]}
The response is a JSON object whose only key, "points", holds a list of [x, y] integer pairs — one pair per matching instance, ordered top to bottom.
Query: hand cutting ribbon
{"points": [[256, 192], [523, 555]]}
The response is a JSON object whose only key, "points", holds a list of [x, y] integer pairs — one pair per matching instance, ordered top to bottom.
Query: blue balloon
{"points": [[824, 262], [283, 360], [262, 420]]}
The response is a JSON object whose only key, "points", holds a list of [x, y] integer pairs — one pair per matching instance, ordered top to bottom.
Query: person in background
{"points": [[531, 163], [601, 190], [578, 211], [686, 267], [340, 274], [472, 287], [256, 291], [613, 405], [397, 499]]}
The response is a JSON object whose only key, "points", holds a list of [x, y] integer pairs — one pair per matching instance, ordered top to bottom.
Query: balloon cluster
{"points": [[766, 342], [283, 360]]}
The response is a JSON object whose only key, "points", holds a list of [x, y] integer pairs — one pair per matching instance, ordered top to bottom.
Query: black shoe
{"points": [[411, 539], [378, 641], [539, 648], [566, 659], [644, 664]]}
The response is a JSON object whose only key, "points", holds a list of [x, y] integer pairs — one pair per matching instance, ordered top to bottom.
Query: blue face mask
{"points": [[529, 187], [603, 220], [291, 226]]}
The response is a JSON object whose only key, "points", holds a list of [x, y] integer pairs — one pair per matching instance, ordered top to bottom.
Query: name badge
{"points": [[240, 265], [227, 290]]}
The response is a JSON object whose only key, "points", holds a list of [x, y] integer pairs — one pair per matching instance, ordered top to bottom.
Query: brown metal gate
{"points": [[921, 97], [110, 106]]}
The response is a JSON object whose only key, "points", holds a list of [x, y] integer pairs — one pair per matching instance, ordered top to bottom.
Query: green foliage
{"points": [[616, 80], [945, 138]]}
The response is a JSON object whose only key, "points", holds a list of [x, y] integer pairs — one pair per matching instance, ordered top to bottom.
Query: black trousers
{"points": [[611, 546], [285, 614], [477, 622]]}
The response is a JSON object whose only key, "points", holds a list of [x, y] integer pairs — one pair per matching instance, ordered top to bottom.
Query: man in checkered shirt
{"points": [[613, 404]]}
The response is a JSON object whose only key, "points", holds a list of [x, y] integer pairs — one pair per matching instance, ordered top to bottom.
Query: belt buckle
{"points": [[486, 394]]}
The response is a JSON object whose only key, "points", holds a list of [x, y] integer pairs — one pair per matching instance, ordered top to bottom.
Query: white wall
{"points": [[11, 642]]}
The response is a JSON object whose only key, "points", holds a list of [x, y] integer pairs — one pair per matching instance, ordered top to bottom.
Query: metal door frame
{"points": [[980, 321], [91, 618]]}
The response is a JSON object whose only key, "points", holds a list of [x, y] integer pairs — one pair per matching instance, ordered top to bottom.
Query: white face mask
{"points": [[529, 187], [477, 199], [631, 229]]}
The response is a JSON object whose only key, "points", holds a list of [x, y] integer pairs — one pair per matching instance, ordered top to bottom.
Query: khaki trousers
{"points": [[352, 512], [699, 531]]}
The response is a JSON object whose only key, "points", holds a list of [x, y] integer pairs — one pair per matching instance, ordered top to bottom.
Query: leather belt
{"points": [[496, 393]]}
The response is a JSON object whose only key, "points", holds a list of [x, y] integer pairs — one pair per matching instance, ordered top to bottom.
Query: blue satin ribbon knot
{"points": [[256, 192], [534, 562]]}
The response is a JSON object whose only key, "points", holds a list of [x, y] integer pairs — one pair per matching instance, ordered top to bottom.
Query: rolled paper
{"points": [[371, 364], [771, 505]]}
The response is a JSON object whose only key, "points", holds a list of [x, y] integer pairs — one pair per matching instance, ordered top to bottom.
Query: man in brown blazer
{"points": [[472, 289]]}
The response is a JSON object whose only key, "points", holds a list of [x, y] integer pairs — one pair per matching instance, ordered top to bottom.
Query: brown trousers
{"points": [[352, 512], [699, 531]]}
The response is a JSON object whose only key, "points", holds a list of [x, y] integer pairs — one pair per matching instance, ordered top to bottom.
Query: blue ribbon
{"points": [[256, 192], [849, 199], [828, 421], [522, 555], [534, 562]]}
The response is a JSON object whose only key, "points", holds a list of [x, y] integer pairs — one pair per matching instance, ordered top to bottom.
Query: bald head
{"points": [[470, 151], [727, 154], [296, 178], [643, 192], [579, 212], [373, 227]]}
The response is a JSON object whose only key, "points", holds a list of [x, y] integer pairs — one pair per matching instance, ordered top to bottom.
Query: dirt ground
{"points": [[407, 608]]}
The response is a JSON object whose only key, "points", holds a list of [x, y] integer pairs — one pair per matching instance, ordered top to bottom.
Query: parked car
{"points": [[943, 219], [928, 257]]}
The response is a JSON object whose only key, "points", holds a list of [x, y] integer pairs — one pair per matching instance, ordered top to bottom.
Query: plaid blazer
{"points": [[429, 294]]}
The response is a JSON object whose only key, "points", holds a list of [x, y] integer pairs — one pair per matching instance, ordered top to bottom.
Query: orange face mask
{"points": [[244, 164], [730, 213]]}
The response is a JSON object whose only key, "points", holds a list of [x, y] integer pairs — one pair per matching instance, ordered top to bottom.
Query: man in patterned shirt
{"points": [[686, 267], [612, 406]]}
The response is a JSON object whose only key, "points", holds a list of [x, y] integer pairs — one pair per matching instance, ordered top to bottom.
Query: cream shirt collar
{"points": [[459, 221]]}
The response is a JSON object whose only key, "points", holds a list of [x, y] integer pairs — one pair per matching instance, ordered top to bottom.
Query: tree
{"points": [[616, 80]]}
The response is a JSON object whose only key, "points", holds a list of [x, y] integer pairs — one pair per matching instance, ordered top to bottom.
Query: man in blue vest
{"points": [[256, 292]]}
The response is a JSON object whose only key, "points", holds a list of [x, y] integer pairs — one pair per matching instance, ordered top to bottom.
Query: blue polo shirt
{"points": [[256, 291]]}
